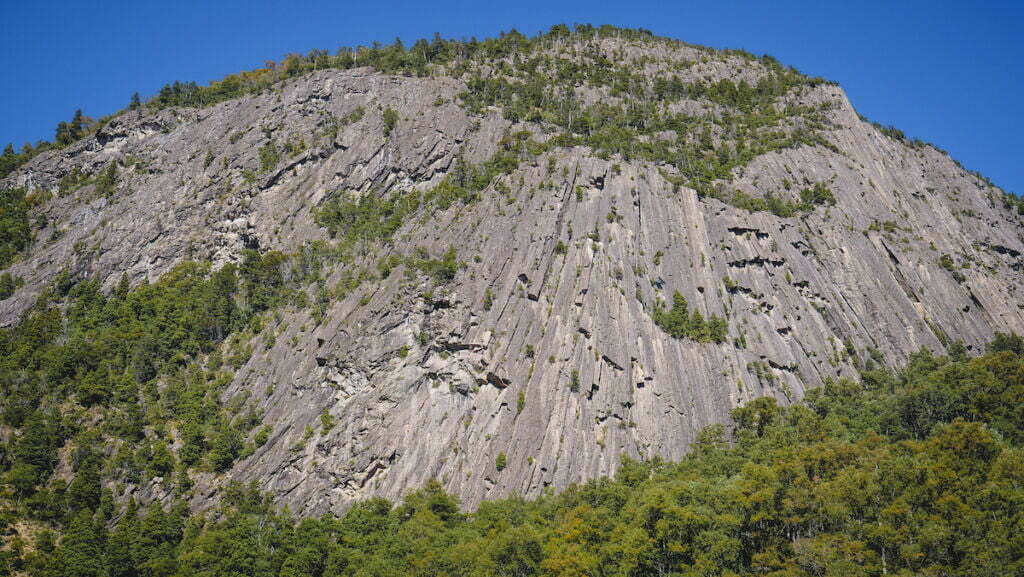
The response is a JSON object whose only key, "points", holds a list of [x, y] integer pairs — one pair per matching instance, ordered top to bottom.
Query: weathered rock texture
{"points": [[565, 371]]}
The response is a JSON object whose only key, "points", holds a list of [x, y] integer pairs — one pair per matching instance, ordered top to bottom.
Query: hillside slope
{"points": [[481, 257]]}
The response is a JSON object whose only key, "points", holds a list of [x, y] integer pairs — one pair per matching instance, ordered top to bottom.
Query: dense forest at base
{"points": [[911, 471]]}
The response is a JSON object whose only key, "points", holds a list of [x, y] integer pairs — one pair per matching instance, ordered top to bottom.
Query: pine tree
{"points": [[77, 126], [63, 134], [37, 445], [225, 446], [85, 490], [123, 543], [80, 553]]}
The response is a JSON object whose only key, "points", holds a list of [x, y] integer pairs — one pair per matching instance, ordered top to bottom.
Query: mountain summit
{"points": [[500, 264]]}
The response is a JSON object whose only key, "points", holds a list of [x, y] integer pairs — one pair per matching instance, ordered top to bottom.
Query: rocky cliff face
{"points": [[542, 349]]}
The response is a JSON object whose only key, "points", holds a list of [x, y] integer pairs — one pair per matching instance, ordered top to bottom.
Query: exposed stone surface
{"points": [[801, 289]]}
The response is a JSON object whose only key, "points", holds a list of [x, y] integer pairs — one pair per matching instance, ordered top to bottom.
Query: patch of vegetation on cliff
{"points": [[809, 199], [365, 219], [15, 228], [9, 284], [680, 323]]}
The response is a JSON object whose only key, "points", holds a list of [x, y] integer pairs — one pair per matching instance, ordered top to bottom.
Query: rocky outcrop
{"points": [[546, 354]]}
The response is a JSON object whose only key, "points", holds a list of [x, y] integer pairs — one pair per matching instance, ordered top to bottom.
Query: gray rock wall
{"points": [[863, 273]]}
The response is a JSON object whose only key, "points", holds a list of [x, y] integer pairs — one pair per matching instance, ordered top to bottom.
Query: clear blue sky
{"points": [[951, 73]]}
